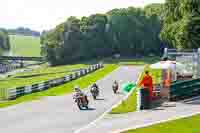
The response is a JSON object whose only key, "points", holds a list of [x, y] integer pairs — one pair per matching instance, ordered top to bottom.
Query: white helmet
{"points": [[76, 87]]}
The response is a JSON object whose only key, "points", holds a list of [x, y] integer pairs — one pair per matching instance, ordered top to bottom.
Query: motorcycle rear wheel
{"points": [[115, 91], [95, 97], [79, 104], [86, 106]]}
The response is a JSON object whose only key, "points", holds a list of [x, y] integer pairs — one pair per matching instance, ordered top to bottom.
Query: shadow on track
{"points": [[120, 93], [100, 99], [89, 109]]}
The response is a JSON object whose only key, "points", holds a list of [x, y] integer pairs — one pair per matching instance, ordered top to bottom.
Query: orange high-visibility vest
{"points": [[147, 82]]}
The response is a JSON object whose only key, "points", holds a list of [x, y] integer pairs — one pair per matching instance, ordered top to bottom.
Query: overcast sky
{"points": [[46, 14]]}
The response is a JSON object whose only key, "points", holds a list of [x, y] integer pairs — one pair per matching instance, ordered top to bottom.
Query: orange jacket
{"points": [[147, 82]]}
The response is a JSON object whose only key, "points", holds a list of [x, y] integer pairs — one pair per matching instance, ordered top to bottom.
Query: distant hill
{"points": [[23, 31]]}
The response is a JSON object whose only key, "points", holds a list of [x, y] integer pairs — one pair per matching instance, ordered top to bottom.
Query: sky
{"points": [[46, 14]]}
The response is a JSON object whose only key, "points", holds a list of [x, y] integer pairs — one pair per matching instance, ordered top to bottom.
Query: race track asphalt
{"points": [[59, 114]]}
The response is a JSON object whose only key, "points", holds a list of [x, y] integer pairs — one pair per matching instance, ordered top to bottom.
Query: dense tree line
{"points": [[181, 26], [23, 31], [127, 31], [4, 41]]}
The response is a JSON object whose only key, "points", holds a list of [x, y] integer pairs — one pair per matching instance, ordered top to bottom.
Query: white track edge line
{"points": [[190, 99], [154, 123]]}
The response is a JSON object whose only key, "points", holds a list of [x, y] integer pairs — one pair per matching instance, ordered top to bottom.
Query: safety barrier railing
{"points": [[8, 68], [183, 89], [13, 93]]}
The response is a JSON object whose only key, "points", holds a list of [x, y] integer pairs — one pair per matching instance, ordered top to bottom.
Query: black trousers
{"points": [[145, 98]]}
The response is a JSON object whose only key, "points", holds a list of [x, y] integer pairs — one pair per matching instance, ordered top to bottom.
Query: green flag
{"points": [[127, 87]]}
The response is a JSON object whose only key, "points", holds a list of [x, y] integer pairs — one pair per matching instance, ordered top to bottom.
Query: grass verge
{"points": [[83, 82], [129, 105], [185, 125]]}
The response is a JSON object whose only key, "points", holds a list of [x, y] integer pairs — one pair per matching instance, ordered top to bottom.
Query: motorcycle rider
{"points": [[115, 85], [94, 86], [79, 94]]}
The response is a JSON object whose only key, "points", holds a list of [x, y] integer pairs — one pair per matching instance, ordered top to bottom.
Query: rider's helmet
{"points": [[94, 85], [76, 88]]}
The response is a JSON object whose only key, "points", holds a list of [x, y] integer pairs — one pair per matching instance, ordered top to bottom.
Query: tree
{"points": [[155, 9], [181, 23], [128, 31], [4, 41]]}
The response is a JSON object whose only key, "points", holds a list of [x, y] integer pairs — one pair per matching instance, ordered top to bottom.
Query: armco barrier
{"points": [[8, 68], [183, 89], [13, 93]]}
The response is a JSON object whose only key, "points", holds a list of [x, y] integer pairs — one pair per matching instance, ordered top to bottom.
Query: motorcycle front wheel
{"points": [[115, 91], [95, 97], [79, 105], [86, 106]]}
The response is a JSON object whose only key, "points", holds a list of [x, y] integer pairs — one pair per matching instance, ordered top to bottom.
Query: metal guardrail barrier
{"points": [[21, 58], [8, 68], [184, 89], [13, 93]]}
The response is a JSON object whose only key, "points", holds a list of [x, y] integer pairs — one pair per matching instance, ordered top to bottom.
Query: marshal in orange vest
{"points": [[147, 83]]}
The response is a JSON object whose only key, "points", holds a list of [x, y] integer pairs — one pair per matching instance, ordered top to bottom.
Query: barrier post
{"points": [[138, 100]]}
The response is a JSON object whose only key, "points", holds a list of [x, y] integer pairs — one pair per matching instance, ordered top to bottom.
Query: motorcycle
{"points": [[115, 88], [95, 92], [81, 101]]}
